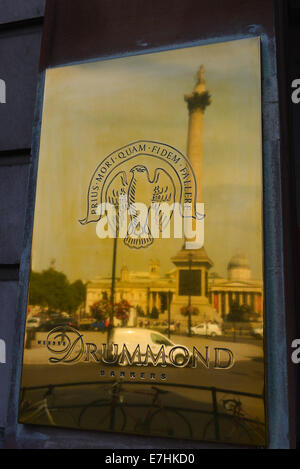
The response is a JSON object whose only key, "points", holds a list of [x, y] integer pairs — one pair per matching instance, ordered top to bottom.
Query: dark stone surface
{"points": [[18, 10], [102, 28], [19, 55], [13, 192], [8, 299]]}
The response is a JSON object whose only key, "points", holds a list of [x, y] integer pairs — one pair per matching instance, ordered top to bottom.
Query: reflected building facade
{"points": [[238, 289], [149, 290]]}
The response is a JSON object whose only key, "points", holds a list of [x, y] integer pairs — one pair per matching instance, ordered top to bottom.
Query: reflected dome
{"points": [[239, 268]]}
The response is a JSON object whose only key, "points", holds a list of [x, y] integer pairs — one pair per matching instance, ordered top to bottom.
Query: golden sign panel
{"points": [[145, 310]]}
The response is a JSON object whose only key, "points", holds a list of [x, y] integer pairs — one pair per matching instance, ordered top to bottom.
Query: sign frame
{"points": [[278, 404]]}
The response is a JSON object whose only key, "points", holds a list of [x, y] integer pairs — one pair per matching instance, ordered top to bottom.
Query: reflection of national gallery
{"points": [[214, 295]]}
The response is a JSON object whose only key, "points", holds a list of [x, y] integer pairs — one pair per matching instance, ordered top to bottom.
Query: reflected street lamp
{"points": [[112, 295], [190, 298]]}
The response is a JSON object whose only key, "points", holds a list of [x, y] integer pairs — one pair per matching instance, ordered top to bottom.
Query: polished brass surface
{"points": [[134, 324]]}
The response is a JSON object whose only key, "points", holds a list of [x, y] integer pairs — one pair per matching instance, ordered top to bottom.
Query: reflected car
{"points": [[52, 322], [33, 323], [85, 324], [97, 326], [172, 328], [208, 330], [258, 332], [143, 337]]}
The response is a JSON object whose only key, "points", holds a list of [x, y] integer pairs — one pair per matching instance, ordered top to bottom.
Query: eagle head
{"points": [[139, 168]]}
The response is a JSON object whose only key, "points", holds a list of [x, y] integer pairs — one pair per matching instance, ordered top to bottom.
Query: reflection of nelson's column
{"points": [[197, 103], [195, 283]]}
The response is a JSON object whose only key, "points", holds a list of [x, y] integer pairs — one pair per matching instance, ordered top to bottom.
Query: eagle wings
{"points": [[128, 190]]}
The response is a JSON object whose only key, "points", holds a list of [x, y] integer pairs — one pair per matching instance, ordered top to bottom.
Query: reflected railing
{"points": [[224, 420]]}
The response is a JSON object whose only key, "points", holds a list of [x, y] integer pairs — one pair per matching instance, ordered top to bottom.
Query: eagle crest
{"points": [[132, 189]]}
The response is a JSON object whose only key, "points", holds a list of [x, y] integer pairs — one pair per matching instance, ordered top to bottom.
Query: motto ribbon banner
{"points": [[148, 173]]}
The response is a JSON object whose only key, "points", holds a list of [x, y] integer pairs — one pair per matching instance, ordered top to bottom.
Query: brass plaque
{"points": [[145, 307]]}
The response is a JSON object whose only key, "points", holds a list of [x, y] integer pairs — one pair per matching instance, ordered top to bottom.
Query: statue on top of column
{"points": [[200, 76], [200, 98]]}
